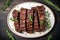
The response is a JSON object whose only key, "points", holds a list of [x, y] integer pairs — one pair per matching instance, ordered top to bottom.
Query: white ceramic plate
{"points": [[28, 5]]}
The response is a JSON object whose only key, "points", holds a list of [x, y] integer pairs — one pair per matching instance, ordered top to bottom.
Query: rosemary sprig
{"points": [[6, 4], [52, 4], [47, 14], [15, 20], [48, 23], [9, 35], [50, 37]]}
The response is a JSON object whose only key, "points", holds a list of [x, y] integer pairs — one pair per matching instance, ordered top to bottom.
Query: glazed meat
{"points": [[41, 17], [22, 19], [35, 19], [30, 20], [16, 23]]}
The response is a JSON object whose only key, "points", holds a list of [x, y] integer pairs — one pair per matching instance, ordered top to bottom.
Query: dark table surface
{"points": [[55, 32]]}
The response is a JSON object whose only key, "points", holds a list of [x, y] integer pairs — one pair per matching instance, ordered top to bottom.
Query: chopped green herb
{"points": [[6, 4], [52, 4], [47, 14], [31, 18], [15, 20], [41, 22], [48, 23], [9, 35], [50, 37]]}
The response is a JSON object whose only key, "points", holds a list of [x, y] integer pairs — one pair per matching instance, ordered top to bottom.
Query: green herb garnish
{"points": [[6, 4], [52, 4], [47, 14], [31, 18], [15, 20], [42, 22], [48, 23], [9, 35], [50, 37]]}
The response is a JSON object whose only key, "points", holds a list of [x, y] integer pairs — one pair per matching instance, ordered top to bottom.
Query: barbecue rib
{"points": [[16, 16]]}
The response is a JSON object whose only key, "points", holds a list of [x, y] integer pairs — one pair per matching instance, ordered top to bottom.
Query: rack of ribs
{"points": [[24, 22]]}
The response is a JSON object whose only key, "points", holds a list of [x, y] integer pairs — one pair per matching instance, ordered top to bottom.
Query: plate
{"points": [[28, 5]]}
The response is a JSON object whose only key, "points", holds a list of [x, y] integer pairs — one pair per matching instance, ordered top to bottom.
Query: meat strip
{"points": [[15, 16], [41, 17], [22, 19], [29, 21], [36, 24]]}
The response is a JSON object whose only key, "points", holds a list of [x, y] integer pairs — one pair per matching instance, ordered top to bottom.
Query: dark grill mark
{"points": [[18, 17], [38, 19], [26, 21], [33, 21]]}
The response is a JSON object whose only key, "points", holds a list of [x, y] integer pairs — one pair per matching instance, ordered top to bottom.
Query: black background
{"points": [[55, 32]]}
